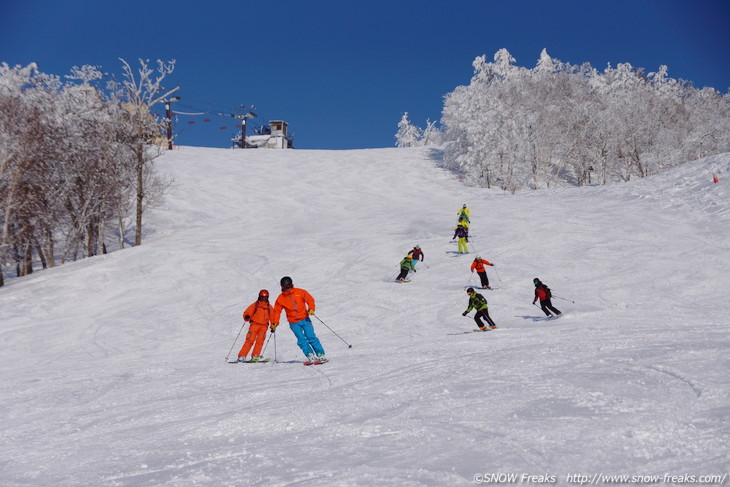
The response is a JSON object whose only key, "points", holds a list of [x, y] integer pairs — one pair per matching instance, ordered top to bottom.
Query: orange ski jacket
{"points": [[479, 265], [298, 304], [260, 313]]}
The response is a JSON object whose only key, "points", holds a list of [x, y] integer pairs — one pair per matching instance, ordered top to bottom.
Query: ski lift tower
{"points": [[244, 118], [279, 137]]}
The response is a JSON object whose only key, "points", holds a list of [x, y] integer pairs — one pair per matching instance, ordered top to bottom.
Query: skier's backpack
{"points": [[547, 291]]}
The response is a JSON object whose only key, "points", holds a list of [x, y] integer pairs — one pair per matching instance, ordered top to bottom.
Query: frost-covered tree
{"points": [[143, 89], [25, 94], [559, 123], [408, 134], [431, 134], [70, 161]]}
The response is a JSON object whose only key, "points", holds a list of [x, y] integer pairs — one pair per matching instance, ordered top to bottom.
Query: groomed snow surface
{"points": [[113, 370]]}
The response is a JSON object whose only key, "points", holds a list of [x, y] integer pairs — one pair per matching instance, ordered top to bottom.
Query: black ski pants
{"points": [[403, 274], [484, 278], [547, 306], [484, 313]]}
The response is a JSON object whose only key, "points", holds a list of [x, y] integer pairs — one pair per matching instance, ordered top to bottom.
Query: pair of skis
{"points": [[548, 318], [480, 330], [266, 360], [262, 361]]}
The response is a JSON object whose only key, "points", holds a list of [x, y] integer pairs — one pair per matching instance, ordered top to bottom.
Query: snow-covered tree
{"points": [[143, 89], [562, 124], [408, 134], [431, 134], [73, 157]]}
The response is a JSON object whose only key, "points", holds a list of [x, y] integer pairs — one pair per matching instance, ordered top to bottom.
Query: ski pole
{"points": [[495, 271], [471, 276], [568, 300], [333, 331], [234, 342], [267, 342], [275, 360]]}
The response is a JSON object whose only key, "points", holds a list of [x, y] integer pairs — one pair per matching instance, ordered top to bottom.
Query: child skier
{"points": [[463, 234], [406, 265], [478, 265], [542, 292], [478, 302], [299, 306], [258, 314]]}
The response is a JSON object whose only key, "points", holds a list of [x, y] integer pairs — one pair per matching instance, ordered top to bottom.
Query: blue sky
{"points": [[343, 72]]}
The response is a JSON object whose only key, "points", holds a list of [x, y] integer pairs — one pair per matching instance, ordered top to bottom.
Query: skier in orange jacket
{"points": [[478, 265], [299, 305], [259, 315]]}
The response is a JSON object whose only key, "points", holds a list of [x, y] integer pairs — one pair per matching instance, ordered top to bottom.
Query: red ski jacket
{"points": [[479, 265], [542, 292], [298, 303], [259, 313]]}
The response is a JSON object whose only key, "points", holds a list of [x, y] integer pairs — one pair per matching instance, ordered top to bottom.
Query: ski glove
{"points": [[311, 312], [464, 313], [247, 318], [273, 327]]}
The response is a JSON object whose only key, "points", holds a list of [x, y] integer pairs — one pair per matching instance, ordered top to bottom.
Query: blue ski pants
{"points": [[306, 339]]}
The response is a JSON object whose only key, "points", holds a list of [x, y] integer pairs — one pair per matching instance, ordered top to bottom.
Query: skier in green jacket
{"points": [[406, 265], [479, 303]]}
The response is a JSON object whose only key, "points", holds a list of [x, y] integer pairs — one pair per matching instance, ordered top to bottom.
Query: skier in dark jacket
{"points": [[463, 234], [416, 255], [406, 265], [542, 292], [479, 302]]}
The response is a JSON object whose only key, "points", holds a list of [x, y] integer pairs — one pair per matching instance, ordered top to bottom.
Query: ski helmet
{"points": [[418, 247], [477, 258], [536, 281], [286, 283], [470, 290], [264, 294]]}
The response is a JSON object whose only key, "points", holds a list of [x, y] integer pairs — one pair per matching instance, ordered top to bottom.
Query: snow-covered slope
{"points": [[113, 368]]}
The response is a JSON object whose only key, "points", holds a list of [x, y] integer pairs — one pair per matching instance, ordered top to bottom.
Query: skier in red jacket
{"points": [[416, 255], [478, 265], [542, 292], [259, 315]]}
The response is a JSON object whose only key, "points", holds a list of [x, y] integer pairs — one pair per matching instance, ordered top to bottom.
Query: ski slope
{"points": [[113, 370]]}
